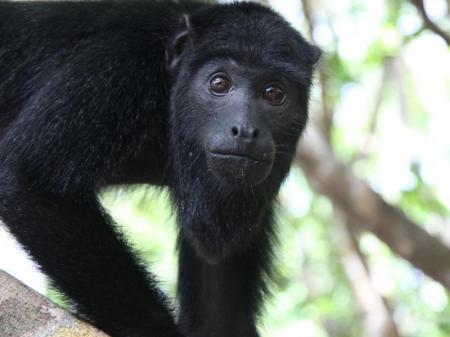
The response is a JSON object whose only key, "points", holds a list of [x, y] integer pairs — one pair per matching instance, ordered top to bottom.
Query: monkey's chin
{"points": [[239, 170]]}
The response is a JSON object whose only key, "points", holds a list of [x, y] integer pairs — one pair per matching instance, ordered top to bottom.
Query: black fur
{"points": [[103, 93]]}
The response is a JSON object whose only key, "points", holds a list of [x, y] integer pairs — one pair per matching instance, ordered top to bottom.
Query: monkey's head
{"points": [[240, 82], [240, 88]]}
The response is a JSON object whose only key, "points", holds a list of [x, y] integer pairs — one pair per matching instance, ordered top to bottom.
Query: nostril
{"points": [[235, 131], [255, 133]]}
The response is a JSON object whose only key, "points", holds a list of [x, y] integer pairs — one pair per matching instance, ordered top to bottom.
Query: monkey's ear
{"points": [[177, 43], [315, 56]]}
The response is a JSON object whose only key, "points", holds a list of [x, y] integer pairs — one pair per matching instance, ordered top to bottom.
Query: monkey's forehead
{"points": [[250, 34]]}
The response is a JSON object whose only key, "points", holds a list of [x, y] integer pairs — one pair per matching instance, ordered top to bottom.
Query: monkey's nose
{"points": [[248, 132]]}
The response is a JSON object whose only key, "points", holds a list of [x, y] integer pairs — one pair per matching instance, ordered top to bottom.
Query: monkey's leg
{"points": [[74, 243]]}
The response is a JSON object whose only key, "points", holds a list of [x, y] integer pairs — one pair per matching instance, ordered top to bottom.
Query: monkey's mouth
{"points": [[235, 155], [239, 168]]}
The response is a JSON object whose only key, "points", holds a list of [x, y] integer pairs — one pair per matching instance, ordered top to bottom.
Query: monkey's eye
{"points": [[219, 84], [274, 94]]}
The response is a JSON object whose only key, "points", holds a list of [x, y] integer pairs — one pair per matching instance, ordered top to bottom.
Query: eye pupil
{"points": [[219, 84], [273, 94]]}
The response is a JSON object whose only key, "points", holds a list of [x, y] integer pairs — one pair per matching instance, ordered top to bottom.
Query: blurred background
{"points": [[364, 217]]}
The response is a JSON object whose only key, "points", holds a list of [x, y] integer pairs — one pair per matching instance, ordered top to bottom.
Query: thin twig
{"points": [[429, 24], [365, 147]]}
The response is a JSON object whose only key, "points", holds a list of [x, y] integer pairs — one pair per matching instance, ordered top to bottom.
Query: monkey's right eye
{"points": [[219, 84]]}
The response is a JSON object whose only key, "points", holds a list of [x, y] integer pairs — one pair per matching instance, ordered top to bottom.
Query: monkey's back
{"points": [[39, 38], [79, 73]]}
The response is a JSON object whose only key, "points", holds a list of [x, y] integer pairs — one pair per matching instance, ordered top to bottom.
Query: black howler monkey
{"points": [[206, 99]]}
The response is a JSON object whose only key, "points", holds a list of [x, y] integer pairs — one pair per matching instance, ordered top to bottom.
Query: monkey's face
{"points": [[239, 96], [241, 117]]}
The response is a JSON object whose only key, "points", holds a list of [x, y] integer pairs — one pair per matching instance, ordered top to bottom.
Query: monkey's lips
{"points": [[239, 168]]}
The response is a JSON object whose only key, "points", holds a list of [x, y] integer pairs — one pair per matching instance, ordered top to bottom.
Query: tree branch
{"points": [[327, 112], [362, 206], [25, 313], [378, 321]]}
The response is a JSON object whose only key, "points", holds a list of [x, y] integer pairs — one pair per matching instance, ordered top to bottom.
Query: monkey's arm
{"points": [[74, 243]]}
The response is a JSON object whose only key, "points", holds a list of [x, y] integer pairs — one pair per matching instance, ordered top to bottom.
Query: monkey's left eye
{"points": [[219, 84], [274, 94]]}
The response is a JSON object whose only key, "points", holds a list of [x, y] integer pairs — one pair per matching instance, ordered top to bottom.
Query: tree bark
{"points": [[25, 313]]}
